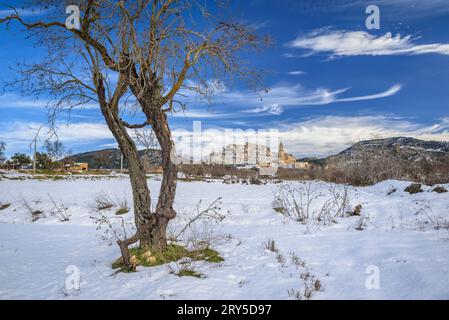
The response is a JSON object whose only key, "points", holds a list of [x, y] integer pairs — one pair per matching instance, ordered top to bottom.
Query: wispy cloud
{"points": [[24, 12], [358, 43], [296, 73], [390, 92], [278, 97], [10, 100], [14, 101], [274, 109], [191, 113]]}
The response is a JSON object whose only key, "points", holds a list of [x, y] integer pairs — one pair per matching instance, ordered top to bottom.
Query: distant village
{"points": [[259, 156]]}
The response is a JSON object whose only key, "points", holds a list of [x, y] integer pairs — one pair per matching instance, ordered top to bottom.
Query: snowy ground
{"points": [[399, 240]]}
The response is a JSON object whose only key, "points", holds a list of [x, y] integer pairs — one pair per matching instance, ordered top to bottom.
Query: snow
{"points": [[398, 239]]}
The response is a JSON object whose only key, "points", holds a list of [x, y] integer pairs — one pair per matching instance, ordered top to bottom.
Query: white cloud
{"points": [[356, 43], [296, 73], [390, 92], [274, 100], [11, 101], [270, 102], [274, 109], [198, 114], [19, 135], [329, 135]]}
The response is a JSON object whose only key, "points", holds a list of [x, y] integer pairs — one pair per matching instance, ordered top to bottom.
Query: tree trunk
{"points": [[141, 192], [143, 217], [151, 227], [156, 237]]}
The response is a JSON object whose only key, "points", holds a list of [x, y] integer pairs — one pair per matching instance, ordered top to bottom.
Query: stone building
{"points": [[242, 155], [285, 159]]}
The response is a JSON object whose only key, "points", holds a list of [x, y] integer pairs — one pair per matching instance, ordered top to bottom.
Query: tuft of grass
{"points": [[103, 202], [4, 206], [123, 208], [279, 210], [121, 211], [270, 245], [172, 253], [208, 255], [185, 272]]}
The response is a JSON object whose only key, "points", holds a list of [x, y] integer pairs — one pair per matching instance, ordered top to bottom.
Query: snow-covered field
{"points": [[399, 248]]}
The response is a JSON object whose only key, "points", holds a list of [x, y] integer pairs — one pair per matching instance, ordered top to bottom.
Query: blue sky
{"points": [[331, 81]]}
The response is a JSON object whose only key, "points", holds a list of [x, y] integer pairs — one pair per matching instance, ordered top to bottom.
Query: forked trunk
{"points": [[151, 226], [156, 236]]}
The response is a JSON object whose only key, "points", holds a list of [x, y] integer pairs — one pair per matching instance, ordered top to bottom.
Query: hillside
{"points": [[404, 150], [110, 158]]}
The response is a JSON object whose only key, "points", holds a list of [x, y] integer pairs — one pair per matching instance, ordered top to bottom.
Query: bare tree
{"points": [[133, 59], [146, 138], [55, 150]]}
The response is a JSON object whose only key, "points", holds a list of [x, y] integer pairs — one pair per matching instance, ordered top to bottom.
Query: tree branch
{"points": [[134, 126]]}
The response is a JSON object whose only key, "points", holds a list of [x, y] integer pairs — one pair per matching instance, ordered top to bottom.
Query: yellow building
{"points": [[285, 159], [77, 167]]}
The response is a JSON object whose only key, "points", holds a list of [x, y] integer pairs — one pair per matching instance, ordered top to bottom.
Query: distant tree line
{"points": [[48, 159]]}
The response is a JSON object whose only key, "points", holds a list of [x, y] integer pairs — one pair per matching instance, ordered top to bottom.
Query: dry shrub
{"points": [[103, 202], [306, 203], [60, 209], [34, 213], [430, 220], [199, 228], [270, 245]]}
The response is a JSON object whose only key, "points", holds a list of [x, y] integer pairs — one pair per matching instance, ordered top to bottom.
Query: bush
{"points": [[414, 188], [439, 189], [303, 202]]}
